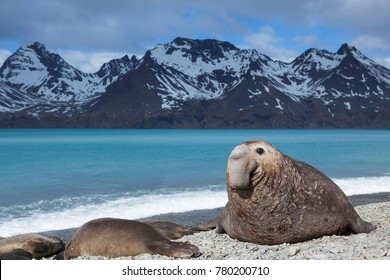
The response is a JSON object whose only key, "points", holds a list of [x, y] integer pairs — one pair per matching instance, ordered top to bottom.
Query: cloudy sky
{"points": [[87, 33]]}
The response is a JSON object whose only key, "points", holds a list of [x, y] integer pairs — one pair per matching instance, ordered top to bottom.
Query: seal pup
{"points": [[273, 199], [112, 237], [37, 245]]}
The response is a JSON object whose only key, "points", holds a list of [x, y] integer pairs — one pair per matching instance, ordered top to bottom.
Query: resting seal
{"points": [[273, 199], [172, 230], [112, 237], [38, 246], [17, 254]]}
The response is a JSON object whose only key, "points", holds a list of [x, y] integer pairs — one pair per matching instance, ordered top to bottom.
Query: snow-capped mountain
{"points": [[44, 81], [201, 83], [208, 83]]}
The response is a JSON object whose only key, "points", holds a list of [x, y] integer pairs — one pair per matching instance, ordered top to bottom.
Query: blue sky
{"points": [[87, 33]]}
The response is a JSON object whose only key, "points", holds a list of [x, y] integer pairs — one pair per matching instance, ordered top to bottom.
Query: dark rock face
{"points": [[197, 84]]}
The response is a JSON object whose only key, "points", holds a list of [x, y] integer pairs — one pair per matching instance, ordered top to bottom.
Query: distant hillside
{"points": [[196, 84]]}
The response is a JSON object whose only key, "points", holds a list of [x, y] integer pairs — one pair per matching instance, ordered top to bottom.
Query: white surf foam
{"points": [[364, 185], [148, 205], [127, 208]]}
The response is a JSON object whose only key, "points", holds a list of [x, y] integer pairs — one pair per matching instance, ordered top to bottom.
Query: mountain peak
{"points": [[180, 41], [200, 45], [37, 47], [346, 49], [205, 50], [313, 52], [350, 52], [125, 58], [133, 59], [319, 59], [117, 67], [214, 81]]}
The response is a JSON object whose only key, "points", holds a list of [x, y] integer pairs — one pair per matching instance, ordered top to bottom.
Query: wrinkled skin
{"points": [[274, 199]]}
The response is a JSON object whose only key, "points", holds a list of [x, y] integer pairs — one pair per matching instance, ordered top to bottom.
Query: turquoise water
{"points": [[60, 178]]}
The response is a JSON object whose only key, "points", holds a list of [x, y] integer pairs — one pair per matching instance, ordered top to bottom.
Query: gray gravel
{"points": [[375, 245]]}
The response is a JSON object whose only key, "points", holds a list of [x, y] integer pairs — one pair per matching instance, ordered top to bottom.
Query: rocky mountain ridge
{"points": [[45, 82], [197, 84]]}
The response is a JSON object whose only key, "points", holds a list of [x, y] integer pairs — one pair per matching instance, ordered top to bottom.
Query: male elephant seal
{"points": [[273, 199], [112, 237], [37, 245]]}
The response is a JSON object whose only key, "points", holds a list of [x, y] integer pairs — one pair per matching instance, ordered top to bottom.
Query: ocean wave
{"points": [[364, 185], [125, 207], [73, 212]]}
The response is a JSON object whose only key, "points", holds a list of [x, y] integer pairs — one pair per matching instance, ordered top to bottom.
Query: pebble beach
{"points": [[371, 246]]}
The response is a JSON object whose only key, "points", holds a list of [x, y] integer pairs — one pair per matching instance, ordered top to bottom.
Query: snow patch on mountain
{"points": [[36, 74], [170, 75], [197, 75], [12, 100]]}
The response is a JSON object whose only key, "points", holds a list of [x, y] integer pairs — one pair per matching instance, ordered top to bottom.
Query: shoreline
{"points": [[196, 217], [363, 246]]}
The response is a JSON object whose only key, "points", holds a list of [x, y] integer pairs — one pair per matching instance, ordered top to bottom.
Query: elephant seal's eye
{"points": [[260, 151]]}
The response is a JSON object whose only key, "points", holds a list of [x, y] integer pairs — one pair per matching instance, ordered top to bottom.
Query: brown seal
{"points": [[273, 199], [172, 230], [112, 237], [37, 245], [17, 254]]}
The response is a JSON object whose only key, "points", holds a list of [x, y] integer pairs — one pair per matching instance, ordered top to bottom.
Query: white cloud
{"points": [[135, 26], [308, 40], [266, 41], [369, 42], [376, 48], [4, 54], [384, 61], [89, 62]]}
